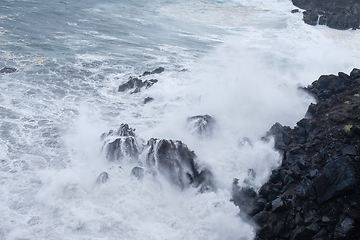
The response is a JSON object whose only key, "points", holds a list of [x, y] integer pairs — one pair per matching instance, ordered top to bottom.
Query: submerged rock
{"points": [[8, 70], [201, 125], [138, 172], [102, 178]]}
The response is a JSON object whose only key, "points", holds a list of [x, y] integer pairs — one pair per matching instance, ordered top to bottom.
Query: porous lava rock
{"points": [[314, 193]]}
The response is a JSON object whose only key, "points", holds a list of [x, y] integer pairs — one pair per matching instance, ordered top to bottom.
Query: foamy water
{"points": [[239, 61]]}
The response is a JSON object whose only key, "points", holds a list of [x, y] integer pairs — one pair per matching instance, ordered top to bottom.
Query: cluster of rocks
{"points": [[338, 14], [135, 84], [173, 160], [314, 193]]}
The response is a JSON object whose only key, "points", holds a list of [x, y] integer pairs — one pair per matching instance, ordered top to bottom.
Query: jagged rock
{"points": [[335, 13], [8, 70], [136, 83], [201, 125], [121, 144], [176, 162], [138, 172], [102, 178], [335, 178], [316, 182], [344, 227]]}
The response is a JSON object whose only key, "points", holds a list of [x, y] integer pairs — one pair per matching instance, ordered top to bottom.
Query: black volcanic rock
{"points": [[338, 14], [121, 144], [171, 159], [176, 162], [314, 193]]}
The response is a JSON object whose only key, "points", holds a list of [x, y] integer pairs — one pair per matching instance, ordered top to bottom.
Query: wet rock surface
{"points": [[338, 14], [136, 84], [201, 125], [172, 160], [314, 193]]}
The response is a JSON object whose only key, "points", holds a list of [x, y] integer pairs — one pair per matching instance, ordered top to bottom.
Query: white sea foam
{"points": [[239, 61]]}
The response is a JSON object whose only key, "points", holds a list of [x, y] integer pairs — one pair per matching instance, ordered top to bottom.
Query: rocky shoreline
{"points": [[337, 14], [313, 194]]}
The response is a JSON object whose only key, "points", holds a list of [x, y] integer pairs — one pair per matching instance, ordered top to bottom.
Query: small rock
{"points": [[295, 11], [8, 70], [355, 73], [148, 99], [349, 150], [138, 172], [102, 178], [277, 205], [343, 228]]}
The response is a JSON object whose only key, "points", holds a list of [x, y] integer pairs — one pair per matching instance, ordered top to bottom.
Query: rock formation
{"points": [[338, 14], [171, 159], [314, 193]]}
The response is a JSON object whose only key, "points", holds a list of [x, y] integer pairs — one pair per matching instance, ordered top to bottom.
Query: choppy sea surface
{"points": [[240, 61]]}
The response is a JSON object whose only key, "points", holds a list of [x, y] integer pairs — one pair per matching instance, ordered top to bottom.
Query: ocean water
{"points": [[240, 61]]}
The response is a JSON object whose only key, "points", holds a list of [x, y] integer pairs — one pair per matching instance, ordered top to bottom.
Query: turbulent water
{"points": [[240, 61]]}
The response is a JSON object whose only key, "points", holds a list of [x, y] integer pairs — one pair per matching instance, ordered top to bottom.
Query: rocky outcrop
{"points": [[338, 14], [8, 70], [136, 84], [201, 125], [121, 144], [173, 160], [177, 163], [314, 194]]}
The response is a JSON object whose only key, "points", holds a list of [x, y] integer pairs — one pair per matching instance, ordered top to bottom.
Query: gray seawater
{"points": [[240, 61]]}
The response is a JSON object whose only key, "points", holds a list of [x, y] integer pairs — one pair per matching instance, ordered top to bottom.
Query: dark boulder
{"points": [[310, 17], [8, 70], [156, 71], [355, 73], [137, 84], [201, 125], [121, 144], [176, 162], [337, 177]]}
